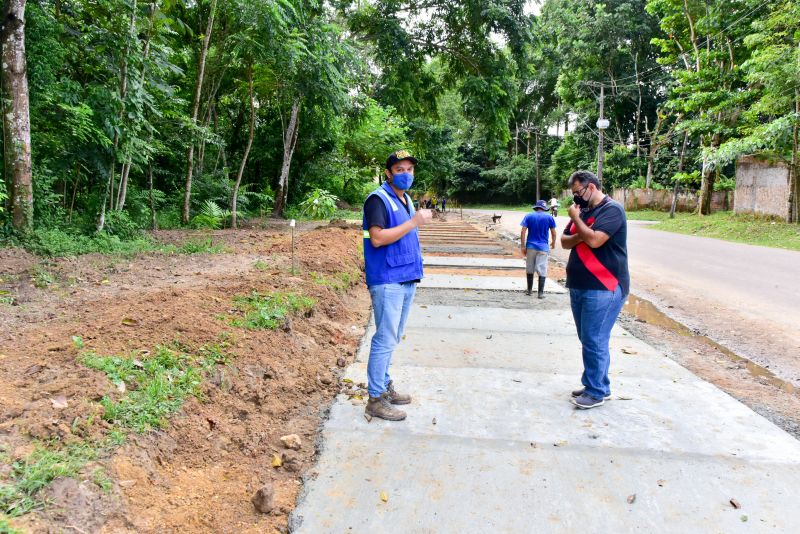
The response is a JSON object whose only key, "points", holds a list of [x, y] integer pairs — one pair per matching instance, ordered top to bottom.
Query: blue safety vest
{"points": [[402, 260]]}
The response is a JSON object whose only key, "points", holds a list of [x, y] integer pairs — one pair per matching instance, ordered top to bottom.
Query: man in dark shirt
{"points": [[597, 278]]}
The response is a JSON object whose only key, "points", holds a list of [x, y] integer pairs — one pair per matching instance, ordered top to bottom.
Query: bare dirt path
{"points": [[744, 297]]}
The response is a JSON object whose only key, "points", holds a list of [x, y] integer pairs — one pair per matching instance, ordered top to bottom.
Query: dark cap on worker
{"points": [[400, 155], [540, 205]]}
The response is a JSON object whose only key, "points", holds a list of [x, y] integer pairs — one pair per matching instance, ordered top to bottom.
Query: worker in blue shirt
{"points": [[533, 244], [393, 265]]}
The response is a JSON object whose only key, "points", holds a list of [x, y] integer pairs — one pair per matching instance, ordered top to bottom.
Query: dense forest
{"points": [[124, 115]]}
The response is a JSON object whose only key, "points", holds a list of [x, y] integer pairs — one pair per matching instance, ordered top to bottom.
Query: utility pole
{"points": [[602, 124]]}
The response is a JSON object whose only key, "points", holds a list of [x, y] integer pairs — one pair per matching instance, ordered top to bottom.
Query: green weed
{"points": [[56, 243], [205, 246], [260, 265], [41, 277], [339, 282], [6, 297], [267, 311], [156, 386], [101, 478], [18, 494], [6, 528]]}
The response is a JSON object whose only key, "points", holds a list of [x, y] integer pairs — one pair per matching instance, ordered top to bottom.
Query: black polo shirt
{"points": [[606, 266]]}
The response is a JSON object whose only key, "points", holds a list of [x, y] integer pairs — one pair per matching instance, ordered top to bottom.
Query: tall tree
{"points": [[198, 88], [16, 115]]}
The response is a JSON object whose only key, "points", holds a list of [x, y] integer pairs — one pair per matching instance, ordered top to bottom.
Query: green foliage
{"points": [[320, 204], [211, 216], [735, 227], [57, 243], [204, 246], [339, 282], [268, 311], [155, 385], [19, 493], [6, 528]]}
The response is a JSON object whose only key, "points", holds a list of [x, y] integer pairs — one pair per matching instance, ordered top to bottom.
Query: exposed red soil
{"points": [[200, 473]]}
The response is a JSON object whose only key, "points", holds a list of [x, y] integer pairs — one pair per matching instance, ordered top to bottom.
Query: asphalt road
{"points": [[745, 297]]}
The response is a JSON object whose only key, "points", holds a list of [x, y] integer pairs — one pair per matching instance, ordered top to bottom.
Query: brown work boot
{"points": [[395, 397], [382, 408]]}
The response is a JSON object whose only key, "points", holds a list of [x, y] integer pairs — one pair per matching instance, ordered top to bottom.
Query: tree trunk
{"points": [[16, 116], [289, 141], [126, 167], [680, 169], [538, 179], [707, 182], [794, 183], [74, 191], [108, 195], [187, 195], [235, 196], [153, 218]]}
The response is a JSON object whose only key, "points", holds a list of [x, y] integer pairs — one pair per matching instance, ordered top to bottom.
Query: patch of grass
{"points": [[648, 215], [738, 228], [57, 243], [205, 246], [260, 265], [41, 277], [339, 282], [6, 297], [267, 311], [156, 386], [101, 478], [18, 494], [6, 528]]}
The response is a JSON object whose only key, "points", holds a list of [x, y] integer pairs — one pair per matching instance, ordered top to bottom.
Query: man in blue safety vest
{"points": [[393, 262]]}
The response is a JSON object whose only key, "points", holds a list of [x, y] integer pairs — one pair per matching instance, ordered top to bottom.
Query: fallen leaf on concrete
{"points": [[423, 306], [628, 351], [347, 380], [516, 380], [624, 398], [59, 402], [559, 444], [277, 461], [661, 483], [384, 497], [631, 498], [735, 503], [743, 519]]}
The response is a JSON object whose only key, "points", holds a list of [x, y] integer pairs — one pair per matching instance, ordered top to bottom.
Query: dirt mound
{"points": [[199, 473]]}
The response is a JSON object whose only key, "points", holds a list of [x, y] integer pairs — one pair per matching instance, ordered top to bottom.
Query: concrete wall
{"points": [[762, 187], [661, 199]]}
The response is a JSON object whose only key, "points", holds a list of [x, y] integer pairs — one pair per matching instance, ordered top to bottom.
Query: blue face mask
{"points": [[403, 180]]}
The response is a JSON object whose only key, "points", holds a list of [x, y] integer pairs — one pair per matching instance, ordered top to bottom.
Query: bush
{"points": [[320, 204], [120, 224], [55, 242]]}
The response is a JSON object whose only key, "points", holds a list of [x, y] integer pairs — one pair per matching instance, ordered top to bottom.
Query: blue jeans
{"points": [[390, 304], [595, 311]]}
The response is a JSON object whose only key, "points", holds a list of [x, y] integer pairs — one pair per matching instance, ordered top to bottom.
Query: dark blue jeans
{"points": [[595, 311]]}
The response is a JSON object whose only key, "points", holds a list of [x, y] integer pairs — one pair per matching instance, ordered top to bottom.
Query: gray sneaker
{"points": [[578, 392], [395, 397], [585, 402], [381, 407]]}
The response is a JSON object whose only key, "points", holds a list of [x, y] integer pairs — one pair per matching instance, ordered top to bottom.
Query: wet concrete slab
{"points": [[463, 249], [477, 263], [497, 283], [492, 444]]}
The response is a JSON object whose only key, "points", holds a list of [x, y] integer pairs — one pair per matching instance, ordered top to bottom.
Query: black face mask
{"points": [[578, 199]]}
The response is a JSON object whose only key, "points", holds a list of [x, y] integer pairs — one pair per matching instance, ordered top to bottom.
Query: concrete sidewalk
{"points": [[493, 444]]}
